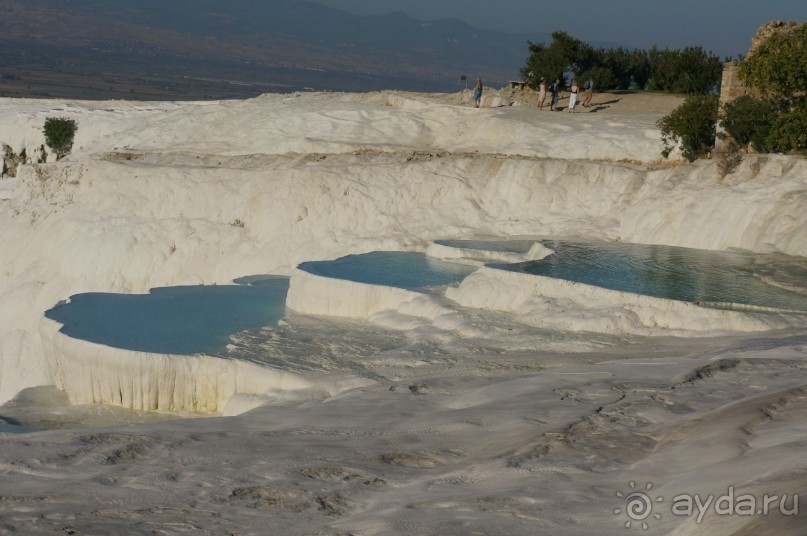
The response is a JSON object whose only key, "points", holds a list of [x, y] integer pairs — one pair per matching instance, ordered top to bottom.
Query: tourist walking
{"points": [[589, 87], [554, 89], [478, 92], [541, 93], [573, 95]]}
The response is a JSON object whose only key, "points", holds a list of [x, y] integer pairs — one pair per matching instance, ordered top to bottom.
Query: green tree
{"points": [[585, 57], [553, 61], [618, 61], [543, 62], [779, 65], [618, 68], [640, 68], [662, 69], [778, 69], [691, 70], [699, 71], [602, 76], [749, 120], [691, 127], [789, 129], [59, 134]]}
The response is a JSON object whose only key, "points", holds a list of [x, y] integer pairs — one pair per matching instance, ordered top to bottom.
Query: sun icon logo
{"points": [[638, 505]]}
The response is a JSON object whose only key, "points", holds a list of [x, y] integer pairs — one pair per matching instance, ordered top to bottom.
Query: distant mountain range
{"points": [[216, 48]]}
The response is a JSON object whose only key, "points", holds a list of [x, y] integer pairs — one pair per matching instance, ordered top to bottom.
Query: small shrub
{"points": [[749, 120], [691, 126], [789, 130], [59, 134]]}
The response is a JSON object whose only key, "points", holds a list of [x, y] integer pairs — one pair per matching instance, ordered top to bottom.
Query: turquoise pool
{"points": [[407, 270], [692, 275], [174, 320]]}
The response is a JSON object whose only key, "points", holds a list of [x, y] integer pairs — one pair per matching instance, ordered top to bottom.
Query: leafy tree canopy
{"points": [[553, 61], [779, 65], [691, 70], [749, 120], [691, 127], [59, 133]]}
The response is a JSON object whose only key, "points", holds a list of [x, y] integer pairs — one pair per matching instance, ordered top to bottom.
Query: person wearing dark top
{"points": [[555, 90]]}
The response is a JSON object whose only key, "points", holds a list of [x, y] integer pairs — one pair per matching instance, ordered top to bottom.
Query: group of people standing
{"points": [[555, 88]]}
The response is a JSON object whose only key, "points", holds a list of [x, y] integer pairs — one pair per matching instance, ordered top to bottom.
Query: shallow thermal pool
{"points": [[407, 270], [716, 278], [202, 319], [175, 320], [12, 426]]}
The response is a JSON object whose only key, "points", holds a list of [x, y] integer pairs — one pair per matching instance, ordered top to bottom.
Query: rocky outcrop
{"points": [[769, 29], [12, 160]]}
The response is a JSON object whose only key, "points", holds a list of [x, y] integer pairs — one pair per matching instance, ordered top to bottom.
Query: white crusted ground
{"points": [[441, 415]]}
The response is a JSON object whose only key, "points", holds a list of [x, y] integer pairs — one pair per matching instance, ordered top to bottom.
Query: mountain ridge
{"points": [[250, 46]]}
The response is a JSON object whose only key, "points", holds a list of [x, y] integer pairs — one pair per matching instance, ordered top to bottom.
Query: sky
{"points": [[722, 26]]}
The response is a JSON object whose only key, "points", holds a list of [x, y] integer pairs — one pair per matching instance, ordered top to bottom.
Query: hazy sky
{"points": [[723, 26]]}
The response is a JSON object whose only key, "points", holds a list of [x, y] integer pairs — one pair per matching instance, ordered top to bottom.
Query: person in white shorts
{"points": [[541, 93], [573, 95]]}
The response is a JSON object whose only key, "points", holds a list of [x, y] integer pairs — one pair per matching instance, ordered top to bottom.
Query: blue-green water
{"points": [[412, 271], [676, 273], [173, 320], [12, 426]]}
